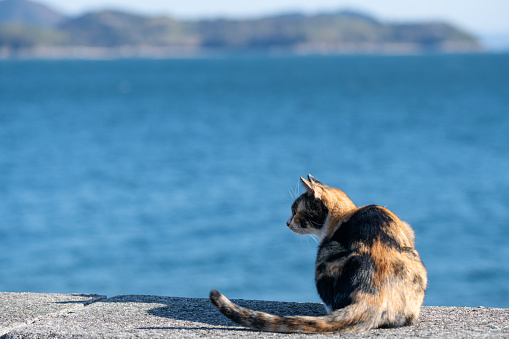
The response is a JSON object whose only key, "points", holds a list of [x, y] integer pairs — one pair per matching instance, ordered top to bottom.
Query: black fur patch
{"points": [[316, 212], [367, 225], [320, 267], [357, 274], [256, 322], [310, 323]]}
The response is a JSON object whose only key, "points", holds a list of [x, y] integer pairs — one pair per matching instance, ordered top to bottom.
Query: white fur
{"points": [[320, 233]]}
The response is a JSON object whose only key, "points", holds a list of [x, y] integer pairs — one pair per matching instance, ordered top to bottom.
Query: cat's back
{"points": [[370, 225]]}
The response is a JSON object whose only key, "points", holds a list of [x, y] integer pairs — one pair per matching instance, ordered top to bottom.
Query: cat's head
{"points": [[311, 209], [308, 211]]}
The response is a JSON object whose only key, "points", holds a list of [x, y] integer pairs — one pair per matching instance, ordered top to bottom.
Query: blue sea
{"points": [[174, 177]]}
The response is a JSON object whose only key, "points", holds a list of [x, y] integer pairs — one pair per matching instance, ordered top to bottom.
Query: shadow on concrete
{"points": [[92, 298], [202, 310], [198, 311]]}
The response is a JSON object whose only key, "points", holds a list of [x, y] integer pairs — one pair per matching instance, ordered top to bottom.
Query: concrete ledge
{"points": [[33, 315]]}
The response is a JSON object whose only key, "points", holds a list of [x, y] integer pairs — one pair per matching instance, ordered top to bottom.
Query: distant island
{"points": [[32, 30]]}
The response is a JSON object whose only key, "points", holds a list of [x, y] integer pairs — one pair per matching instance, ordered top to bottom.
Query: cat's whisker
{"points": [[292, 193], [315, 238], [307, 240]]}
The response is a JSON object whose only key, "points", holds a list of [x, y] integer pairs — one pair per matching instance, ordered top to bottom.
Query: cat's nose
{"points": [[288, 222]]}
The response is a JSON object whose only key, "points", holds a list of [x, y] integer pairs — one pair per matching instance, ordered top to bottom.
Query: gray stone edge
{"points": [[79, 305], [441, 322]]}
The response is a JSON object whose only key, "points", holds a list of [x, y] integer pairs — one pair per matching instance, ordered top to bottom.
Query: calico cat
{"points": [[367, 271]]}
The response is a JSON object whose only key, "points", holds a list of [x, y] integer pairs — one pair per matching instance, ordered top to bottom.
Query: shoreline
{"points": [[188, 52]]}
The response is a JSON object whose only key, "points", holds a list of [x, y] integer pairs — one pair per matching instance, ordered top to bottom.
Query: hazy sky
{"points": [[479, 16]]}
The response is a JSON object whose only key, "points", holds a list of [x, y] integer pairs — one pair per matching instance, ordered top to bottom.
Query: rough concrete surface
{"points": [[19, 309], [62, 316]]}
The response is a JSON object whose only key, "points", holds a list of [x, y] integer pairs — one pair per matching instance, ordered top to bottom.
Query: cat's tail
{"points": [[353, 318]]}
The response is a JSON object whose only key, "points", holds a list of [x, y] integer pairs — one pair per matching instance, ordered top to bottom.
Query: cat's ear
{"points": [[314, 180], [307, 185], [311, 188]]}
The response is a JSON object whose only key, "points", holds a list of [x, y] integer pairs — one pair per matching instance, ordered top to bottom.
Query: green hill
{"points": [[114, 28], [339, 32]]}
